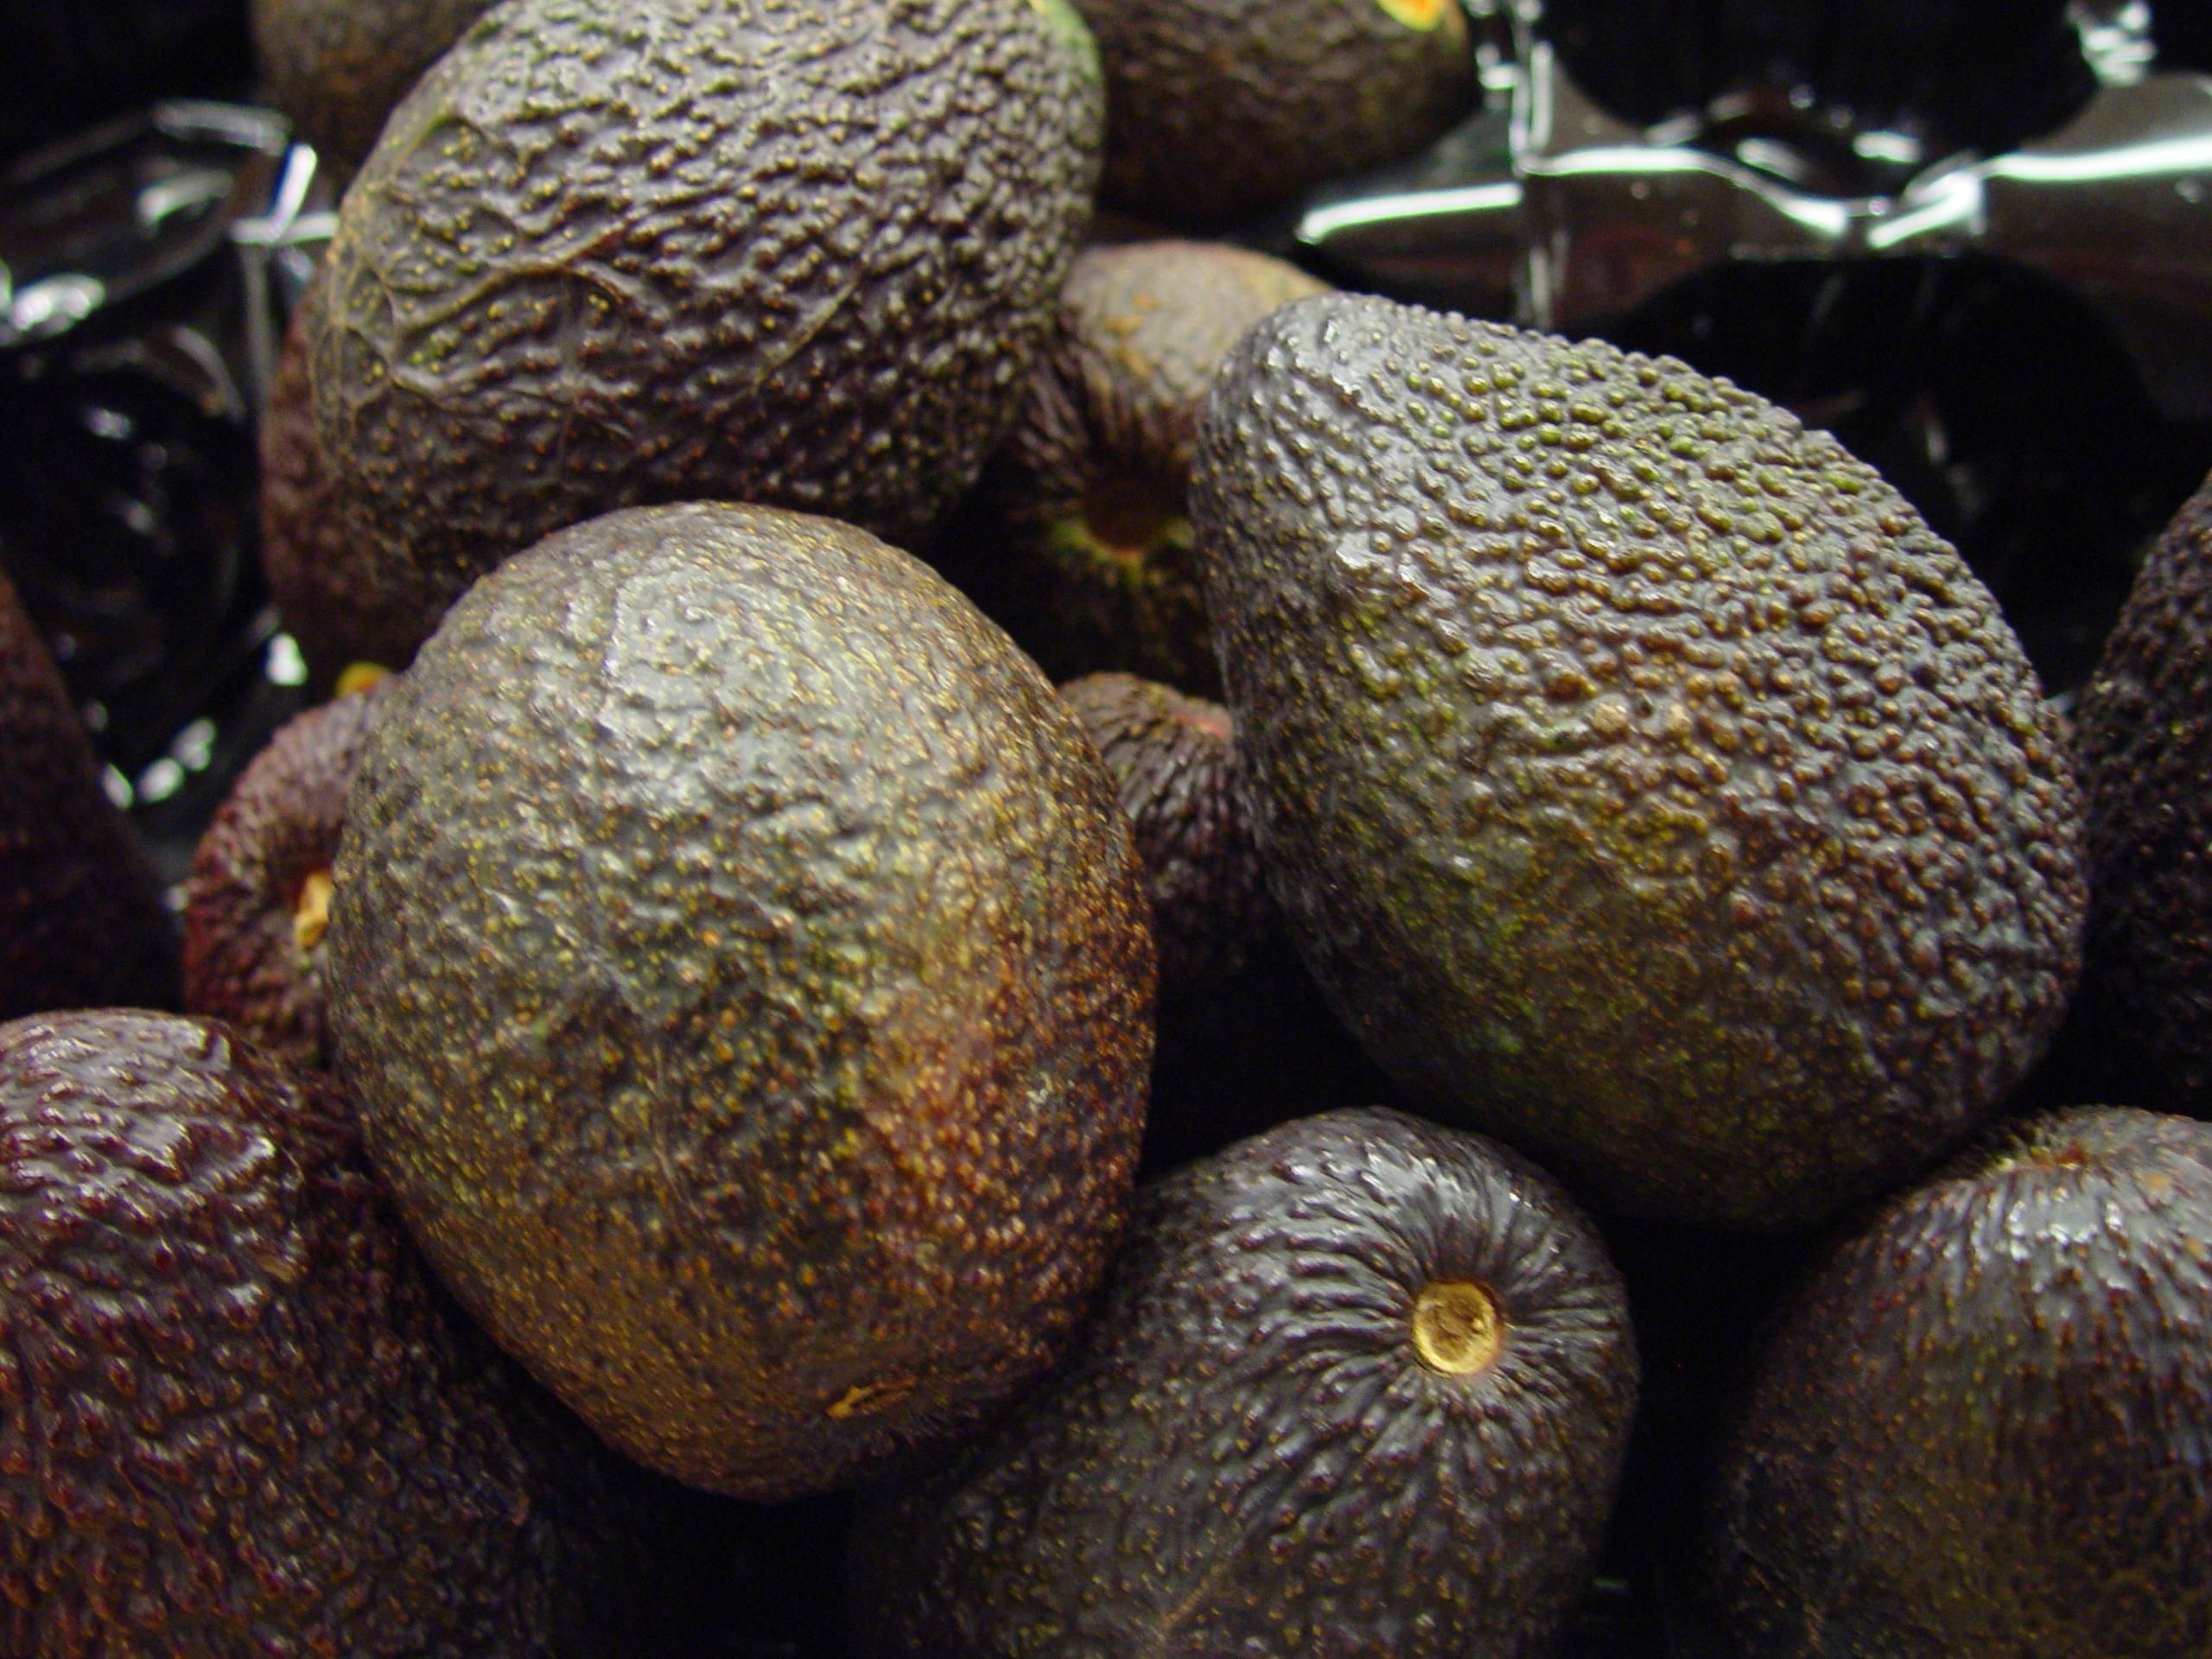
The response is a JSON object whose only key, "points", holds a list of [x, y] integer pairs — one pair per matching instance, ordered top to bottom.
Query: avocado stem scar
{"points": [[311, 912], [1458, 1329]]}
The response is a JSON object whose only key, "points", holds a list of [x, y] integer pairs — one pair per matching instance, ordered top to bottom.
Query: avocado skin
{"points": [[338, 66], [1223, 109], [694, 250], [1077, 536], [313, 541], [2145, 745], [1173, 762], [1638, 774], [279, 825], [82, 922], [743, 969], [236, 1414], [1985, 1426], [1245, 1453]]}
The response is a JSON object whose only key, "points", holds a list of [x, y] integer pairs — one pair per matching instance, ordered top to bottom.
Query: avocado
{"points": [[338, 66], [1221, 110], [670, 250], [311, 537], [1077, 537], [2145, 745], [1173, 762], [1635, 772], [258, 898], [82, 919], [742, 967], [1358, 1385], [237, 1416], [1981, 1426]]}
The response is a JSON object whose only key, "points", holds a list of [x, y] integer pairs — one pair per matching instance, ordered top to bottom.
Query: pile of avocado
{"points": [[717, 1069]]}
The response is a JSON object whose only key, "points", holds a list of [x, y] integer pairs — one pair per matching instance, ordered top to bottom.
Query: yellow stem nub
{"points": [[311, 914], [1458, 1329]]}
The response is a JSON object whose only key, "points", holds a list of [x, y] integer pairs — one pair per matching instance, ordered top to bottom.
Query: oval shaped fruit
{"points": [[338, 66], [1223, 109], [691, 250], [1632, 765], [743, 969], [1358, 1385], [237, 1416], [1985, 1426]]}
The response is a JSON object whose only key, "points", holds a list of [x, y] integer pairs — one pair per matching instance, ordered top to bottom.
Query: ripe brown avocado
{"points": [[338, 66], [1223, 109], [697, 250], [1077, 536], [2144, 723], [1173, 760], [1636, 771], [258, 900], [82, 922], [742, 967], [1359, 1385], [236, 1414], [1985, 1426]]}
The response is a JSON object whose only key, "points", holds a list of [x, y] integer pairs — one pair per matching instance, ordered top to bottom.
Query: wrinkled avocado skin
{"points": [[696, 250], [2144, 726], [1632, 766], [744, 970], [237, 1416], [1984, 1426], [1247, 1453]]}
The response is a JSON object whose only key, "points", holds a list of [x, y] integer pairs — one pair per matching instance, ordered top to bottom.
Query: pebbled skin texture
{"points": [[338, 66], [1223, 109], [688, 250], [1077, 536], [335, 597], [2146, 743], [1173, 760], [1632, 766], [279, 824], [82, 922], [742, 966], [236, 1414], [1984, 1425], [1246, 1455]]}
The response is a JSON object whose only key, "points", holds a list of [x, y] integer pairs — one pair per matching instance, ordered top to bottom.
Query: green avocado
{"points": [[668, 250], [2144, 723], [1632, 766], [82, 920], [742, 966], [1360, 1384], [237, 1414], [1982, 1426]]}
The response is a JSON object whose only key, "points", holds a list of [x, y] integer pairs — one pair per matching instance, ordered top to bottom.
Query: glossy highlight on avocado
{"points": [[1639, 775]]}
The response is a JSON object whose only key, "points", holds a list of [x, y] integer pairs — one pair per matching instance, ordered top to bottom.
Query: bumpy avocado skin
{"points": [[338, 66], [1223, 109], [697, 250], [1077, 536], [2146, 745], [1173, 762], [1632, 766], [82, 923], [247, 959], [743, 969], [236, 1414], [1985, 1426], [1247, 1453]]}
